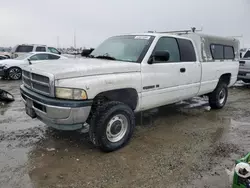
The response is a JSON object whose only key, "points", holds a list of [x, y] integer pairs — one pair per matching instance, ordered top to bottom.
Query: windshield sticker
{"points": [[142, 37]]}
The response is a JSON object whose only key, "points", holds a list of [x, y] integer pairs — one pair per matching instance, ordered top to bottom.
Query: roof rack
{"points": [[192, 30]]}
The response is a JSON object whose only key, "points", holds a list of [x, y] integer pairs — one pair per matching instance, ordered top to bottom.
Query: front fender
{"points": [[94, 85]]}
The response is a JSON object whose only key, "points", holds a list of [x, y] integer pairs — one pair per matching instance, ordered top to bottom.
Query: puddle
{"points": [[182, 145]]}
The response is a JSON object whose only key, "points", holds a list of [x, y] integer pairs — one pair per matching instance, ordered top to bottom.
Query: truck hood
{"points": [[245, 63], [70, 68]]}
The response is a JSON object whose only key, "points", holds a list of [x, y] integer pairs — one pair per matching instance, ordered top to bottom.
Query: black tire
{"points": [[14, 73], [246, 81], [218, 98], [100, 123]]}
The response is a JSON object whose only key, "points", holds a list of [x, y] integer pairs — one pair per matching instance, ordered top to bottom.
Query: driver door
{"points": [[160, 80]]}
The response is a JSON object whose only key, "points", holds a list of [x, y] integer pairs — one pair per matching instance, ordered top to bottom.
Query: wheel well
{"points": [[14, 67], [225, 78], [127, 96]]}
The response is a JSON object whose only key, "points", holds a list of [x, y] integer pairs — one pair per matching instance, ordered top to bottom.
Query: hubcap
{"points": [[15, 73], [222, 96], [117, 128]]}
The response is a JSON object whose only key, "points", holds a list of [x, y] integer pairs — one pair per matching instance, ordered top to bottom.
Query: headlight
{"points": [[2, 66], [71, 93]]}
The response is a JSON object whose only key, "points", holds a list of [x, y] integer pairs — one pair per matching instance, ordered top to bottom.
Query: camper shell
{"points": [[204, 44]]}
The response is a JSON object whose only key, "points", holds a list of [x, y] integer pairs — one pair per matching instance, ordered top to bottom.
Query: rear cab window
{"points": [[24, 48], [40, 49], [187, 52]]}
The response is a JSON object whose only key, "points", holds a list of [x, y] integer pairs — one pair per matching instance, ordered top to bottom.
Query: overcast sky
{"points": [[33, 21]]}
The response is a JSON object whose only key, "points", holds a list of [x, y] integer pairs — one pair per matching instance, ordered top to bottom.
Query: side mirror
{"points": [[87, 52], [59, 53], [159, 56], [29, 61]]}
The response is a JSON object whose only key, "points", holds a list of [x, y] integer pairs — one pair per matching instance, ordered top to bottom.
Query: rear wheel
{"points": [[14, 73], [246, 81], [218, 98], [112, 126]]}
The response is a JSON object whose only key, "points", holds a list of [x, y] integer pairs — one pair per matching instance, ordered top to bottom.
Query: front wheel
{"points": [[14, 73], [218, 98], [112, 126]]}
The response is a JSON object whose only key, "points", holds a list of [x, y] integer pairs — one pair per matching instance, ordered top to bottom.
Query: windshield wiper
{"points": [[105, 56]]}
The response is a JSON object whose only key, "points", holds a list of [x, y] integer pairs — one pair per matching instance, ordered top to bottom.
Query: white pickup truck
{"points": [[244, 70], [128, 74]]}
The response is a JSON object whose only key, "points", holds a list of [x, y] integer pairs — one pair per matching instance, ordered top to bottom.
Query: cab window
{"points": [[168, 44], [40, 49], [39, 57], [53, 57]]}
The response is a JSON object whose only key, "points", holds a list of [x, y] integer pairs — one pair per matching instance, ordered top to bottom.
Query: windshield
{"points": [[123, 48], [247, 54], [24, 56]]}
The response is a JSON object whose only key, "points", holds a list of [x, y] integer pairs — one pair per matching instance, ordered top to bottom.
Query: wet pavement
{"points": [[182, 145]]}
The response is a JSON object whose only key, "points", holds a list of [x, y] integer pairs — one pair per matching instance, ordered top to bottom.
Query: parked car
{"points": [[26, 48], [5, 54], [2, 57], [12, 68], [244, 70], [128, 74]]}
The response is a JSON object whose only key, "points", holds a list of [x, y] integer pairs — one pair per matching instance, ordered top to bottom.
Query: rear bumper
{"points": [[244, 74], [59, 114]]}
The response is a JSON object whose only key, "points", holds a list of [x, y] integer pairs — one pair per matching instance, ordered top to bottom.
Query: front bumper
{"points": [[3, 71], [244, 74], [57, 113]]}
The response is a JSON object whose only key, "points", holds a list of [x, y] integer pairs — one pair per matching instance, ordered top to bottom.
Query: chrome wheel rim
{"points": [[15, 73], [222, 96], [117, 128]]}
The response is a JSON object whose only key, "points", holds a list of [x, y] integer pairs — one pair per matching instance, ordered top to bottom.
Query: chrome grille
{"points": [[26, 74], [40, 78], [26, 81], [37, 82], [41, 87]]}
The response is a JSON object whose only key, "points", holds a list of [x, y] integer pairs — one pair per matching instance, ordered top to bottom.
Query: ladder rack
{"points": [[192, 30]]}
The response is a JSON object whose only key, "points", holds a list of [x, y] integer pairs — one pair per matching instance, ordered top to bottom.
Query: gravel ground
{"points": [[182, 145]]}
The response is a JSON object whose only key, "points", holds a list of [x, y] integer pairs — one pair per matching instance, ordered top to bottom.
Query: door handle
{"points": [[182, 70]]}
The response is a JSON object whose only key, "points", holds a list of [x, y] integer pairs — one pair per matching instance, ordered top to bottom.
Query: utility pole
{"points": [[75, 39], [57, 41], [75, 42]]}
